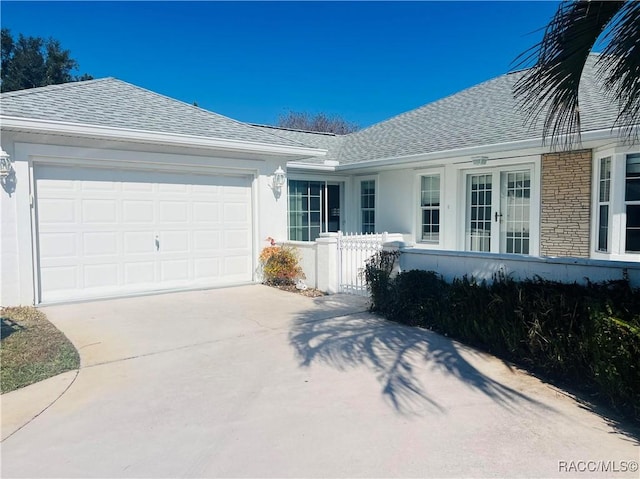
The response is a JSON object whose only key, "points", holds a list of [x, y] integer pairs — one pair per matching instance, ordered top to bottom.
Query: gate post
{"points": [[327, 266]]}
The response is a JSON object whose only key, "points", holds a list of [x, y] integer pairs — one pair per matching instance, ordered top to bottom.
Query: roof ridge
{"points": [[325, 133]]}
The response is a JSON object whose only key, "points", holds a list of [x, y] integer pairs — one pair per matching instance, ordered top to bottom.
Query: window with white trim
{"points": [[604, 200], [632, 203], [368, 206], [314, 208], [430, 208]]}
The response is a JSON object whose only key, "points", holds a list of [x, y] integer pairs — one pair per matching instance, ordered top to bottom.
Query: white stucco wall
{"points": [[398, 197], [483, 266], [18, 280]]}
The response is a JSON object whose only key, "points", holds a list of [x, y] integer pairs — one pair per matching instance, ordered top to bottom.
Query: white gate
{"points": [[353, 251]]}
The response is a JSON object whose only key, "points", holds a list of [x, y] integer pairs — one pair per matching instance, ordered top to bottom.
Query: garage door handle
{"points": [[157, 243]]}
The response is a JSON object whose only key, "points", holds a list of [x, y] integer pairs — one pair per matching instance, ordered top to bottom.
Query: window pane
{"points": [[633, 165], [605, 179], [632, 192], [430, 193], [430, 203], [367, 206], [305, 209], [479, 213], [633, 216], [603, 228], [633, 241]]}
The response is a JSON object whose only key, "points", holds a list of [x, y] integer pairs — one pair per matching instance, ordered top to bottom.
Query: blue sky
{"points": [[253, 61]]}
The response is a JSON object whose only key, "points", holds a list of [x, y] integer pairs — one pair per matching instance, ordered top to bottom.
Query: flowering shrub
{"points": [[280, 265]]}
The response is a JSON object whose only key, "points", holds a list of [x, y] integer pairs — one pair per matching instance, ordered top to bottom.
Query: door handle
{"points": [[498, 215], [157, 242]]}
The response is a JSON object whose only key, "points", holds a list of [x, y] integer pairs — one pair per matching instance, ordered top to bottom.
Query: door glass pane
{"points": [[479, 188], [514, 227]]}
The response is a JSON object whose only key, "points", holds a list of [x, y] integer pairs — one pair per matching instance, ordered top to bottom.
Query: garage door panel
{"points": [[106, 183], [58, 211], [99, 211], [138, 211], [174, 211], [206, 212], [104, 233], [234, 239], [174, 241], [206, 241], [136, 242], [100, 244], [58, 245], [235, 265], [207, 268], [175, 270], [141, 272], [100, 275], [59, 278]]}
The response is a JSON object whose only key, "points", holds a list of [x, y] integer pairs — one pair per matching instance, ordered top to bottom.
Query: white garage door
{"points": [[104, 232]]}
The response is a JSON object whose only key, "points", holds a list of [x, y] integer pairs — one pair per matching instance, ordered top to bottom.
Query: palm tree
{"points": [[550, 87]]}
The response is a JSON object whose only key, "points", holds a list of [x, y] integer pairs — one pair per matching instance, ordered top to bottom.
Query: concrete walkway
{"points": [[256, 382]]}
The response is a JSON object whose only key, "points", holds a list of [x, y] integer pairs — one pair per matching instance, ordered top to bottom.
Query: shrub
{"points": [[280, 265], [377, 275], [586, 335]]}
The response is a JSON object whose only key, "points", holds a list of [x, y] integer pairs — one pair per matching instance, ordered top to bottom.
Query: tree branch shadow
{"points": [[398, 355]]}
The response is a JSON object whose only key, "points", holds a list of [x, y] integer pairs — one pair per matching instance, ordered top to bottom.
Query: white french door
{"points": [[498, 211]]}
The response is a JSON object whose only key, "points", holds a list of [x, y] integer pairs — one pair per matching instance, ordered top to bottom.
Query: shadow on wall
{"points": [[398, 355]]}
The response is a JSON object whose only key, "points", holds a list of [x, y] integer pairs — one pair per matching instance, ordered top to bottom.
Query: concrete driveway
{"points": [[252, 381]]}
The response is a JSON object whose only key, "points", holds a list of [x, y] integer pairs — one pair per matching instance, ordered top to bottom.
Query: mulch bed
{"points": [[309, 292]]}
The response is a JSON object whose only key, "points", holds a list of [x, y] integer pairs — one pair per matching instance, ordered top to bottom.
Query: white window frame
{"points": [[340, 181], [359, 181], [600, 203], [617, 204], [419, 208]]}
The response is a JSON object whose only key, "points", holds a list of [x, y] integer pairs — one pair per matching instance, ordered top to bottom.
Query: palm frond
{"points": [[619, 67], [550, 87]]}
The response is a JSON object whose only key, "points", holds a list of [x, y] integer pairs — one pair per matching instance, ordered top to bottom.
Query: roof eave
{"points": [[589, 136], [154, 137]]}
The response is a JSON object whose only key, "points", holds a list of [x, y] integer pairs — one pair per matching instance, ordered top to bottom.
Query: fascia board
{"points": [[173, 139], [309, 166]]}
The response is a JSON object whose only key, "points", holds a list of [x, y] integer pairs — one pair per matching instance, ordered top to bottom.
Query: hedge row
{"points": [[588, 336]]}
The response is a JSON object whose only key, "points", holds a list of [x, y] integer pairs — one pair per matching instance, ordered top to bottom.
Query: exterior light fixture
{"points": [[479, 160], [6, 168], [279, 179]]}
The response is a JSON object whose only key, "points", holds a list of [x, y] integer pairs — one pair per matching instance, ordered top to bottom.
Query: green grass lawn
{"points": [[32, 349]]}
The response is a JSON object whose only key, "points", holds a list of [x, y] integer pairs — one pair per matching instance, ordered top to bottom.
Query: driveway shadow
{"points": [[398, 355]]}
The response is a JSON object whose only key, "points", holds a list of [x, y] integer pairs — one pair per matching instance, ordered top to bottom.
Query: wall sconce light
{"points": [[479, 160], [6, 168], [279, 179]]}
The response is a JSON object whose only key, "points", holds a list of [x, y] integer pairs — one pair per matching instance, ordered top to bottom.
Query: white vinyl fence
{"points": [[354, 249]]}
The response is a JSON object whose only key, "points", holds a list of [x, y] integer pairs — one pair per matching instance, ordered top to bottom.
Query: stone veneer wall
{"points": [[565, 217]]}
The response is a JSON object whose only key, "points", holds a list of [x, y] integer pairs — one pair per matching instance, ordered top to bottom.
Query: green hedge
{"points": [[588, 336]]}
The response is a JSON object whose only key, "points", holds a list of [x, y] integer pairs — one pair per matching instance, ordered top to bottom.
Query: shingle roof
{"points": [[113, 103], [485, 114], [326, 141]]}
